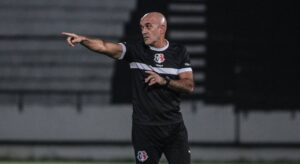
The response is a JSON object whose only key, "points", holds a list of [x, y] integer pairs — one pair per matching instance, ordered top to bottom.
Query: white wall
{"points": [[113, 123]]}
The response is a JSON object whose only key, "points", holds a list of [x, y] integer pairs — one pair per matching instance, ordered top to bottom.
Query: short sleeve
{"points": [[123, 51], [128, 51], [186, 62]]}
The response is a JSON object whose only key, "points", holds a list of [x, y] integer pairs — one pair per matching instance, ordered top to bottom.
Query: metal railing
{"points": [[77, 93]]}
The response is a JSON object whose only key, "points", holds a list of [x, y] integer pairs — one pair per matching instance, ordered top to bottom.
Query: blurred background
{"points": [[63, 103]]}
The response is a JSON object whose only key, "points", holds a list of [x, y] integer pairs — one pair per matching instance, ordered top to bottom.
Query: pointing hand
{"points": [[73, 39]]}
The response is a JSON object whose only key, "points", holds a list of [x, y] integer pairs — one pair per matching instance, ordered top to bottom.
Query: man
{"points": [[160, 71]]}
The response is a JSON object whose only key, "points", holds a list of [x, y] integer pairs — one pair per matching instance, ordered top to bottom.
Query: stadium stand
{"points": [[187, 25], [36, 64]]}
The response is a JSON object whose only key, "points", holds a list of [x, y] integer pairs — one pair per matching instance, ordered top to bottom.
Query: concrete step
{"points": [[111, 4], [187, 7], [8, 15], [186, 19], [55, 28], [190, 35], [39, 45], [196, 48], [54, 57], [199, 63], [41, 72], [199, 76], [55, 85], [53, 99], [67, 99]]}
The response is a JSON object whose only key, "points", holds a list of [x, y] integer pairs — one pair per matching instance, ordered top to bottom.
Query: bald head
{"points": [[157, 17], [153, 27]]}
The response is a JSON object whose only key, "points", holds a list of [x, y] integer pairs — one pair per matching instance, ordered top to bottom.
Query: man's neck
{"points": [[161, 43]]}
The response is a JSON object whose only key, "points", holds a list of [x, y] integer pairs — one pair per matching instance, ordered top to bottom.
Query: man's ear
{"points": [[163, 29]]}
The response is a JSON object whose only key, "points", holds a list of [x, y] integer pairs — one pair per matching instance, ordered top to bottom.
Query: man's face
{"points": [[151, 30]]}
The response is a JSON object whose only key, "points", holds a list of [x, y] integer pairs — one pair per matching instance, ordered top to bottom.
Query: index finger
{"points": [[69, 34]]}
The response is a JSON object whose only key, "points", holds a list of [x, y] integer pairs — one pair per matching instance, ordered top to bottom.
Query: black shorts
{"points": [[150, 142]]}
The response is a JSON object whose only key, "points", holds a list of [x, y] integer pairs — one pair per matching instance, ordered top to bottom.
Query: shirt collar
{"points": [[160, 49]]}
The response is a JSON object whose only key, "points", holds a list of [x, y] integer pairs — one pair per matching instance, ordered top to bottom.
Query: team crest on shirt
{"points": [[159, 58], [142, 156]]}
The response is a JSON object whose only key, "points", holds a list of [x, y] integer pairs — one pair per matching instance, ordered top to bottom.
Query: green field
{"points": [[119, 162]]}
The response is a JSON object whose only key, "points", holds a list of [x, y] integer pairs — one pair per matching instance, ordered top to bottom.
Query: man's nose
{"points": [[144, 31]]}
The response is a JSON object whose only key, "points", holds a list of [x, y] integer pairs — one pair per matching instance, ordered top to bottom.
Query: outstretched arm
{"points": [[110, 49]]}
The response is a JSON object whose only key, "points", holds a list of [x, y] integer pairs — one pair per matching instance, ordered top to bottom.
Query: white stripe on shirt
{"points": [[171, 71]]}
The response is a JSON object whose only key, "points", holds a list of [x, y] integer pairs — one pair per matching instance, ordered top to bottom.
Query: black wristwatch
{"points": [[167, 81]]}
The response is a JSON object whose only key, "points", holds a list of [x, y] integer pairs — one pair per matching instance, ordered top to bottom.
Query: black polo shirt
{"points": [[155, 105]]}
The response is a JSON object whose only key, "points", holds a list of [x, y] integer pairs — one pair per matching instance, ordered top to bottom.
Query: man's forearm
{"points": [[93, 44], [100, 46], [182, 85]]}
